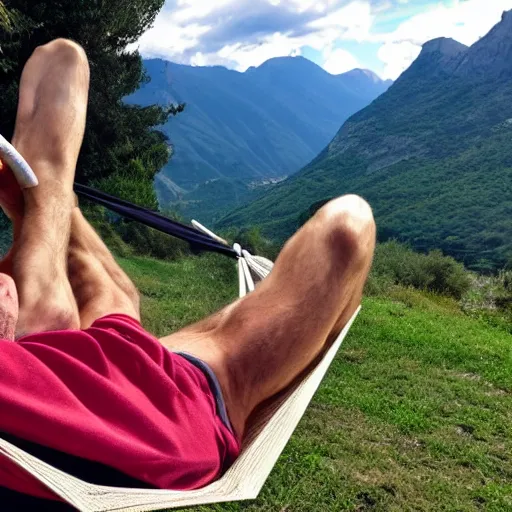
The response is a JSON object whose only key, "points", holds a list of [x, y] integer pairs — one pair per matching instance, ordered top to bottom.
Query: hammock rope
{"points": [[198, 241]]}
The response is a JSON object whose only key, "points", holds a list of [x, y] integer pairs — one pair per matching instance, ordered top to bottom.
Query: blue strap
{"points": [[197, 240]]}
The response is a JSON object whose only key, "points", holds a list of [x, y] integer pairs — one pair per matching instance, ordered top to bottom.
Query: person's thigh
{"points": [[261, 343]]}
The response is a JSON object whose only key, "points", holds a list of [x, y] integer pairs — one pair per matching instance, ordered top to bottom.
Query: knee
{"points": [[66, 51], [349, 224]]}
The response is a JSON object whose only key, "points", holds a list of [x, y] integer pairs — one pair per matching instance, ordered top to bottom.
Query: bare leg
{"points": [[49, 131], [100, 286], [260, 344], [256, 346]]}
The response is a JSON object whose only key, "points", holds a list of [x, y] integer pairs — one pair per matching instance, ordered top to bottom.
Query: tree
{"points": [[5, 22], [121, 150]]}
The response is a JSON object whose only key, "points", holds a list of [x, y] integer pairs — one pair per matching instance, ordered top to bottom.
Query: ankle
{"points": [[49, 194], [53, 309]]}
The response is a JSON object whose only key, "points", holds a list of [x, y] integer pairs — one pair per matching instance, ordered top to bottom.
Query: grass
{"points": [[176, 293], [414, 414]]}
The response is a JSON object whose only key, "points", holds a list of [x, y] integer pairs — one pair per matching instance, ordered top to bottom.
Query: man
{"points": [[83, 379]]}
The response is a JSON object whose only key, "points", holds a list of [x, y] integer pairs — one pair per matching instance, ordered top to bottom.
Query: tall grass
{"points": [[485, 297], [490, 299]]}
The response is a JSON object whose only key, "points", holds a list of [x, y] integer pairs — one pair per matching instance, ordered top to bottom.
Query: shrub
{"points": [[131, 186], [125, 238], [149, 242], [401, 265], [446, 275], [378, 285], [504, 294], [490, 299]]}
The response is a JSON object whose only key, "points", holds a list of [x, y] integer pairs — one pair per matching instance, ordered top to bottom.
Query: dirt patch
{"points": [[468, 376]]}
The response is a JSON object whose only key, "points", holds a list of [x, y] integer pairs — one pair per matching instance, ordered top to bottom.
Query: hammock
{"points": [[268, 431]]}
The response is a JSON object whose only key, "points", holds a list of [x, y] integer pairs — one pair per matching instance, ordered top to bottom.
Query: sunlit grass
{"points": [[414, 414]]}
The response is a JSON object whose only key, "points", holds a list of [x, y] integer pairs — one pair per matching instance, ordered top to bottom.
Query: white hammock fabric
{"points": [[24, 174], [267, 435]]}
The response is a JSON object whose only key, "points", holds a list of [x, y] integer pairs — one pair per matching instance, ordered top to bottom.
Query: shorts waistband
{"points": [[214, 386]]}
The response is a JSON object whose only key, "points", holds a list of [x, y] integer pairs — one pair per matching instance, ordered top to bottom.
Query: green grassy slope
{"points": [[432, 155], [414, 414]]}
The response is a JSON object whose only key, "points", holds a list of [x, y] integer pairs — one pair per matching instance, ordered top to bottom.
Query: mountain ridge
{"points": [[312, 65], [264, 123], [427, 154]]}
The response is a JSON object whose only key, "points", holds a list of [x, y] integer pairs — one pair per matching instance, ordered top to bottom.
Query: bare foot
{"points": [[51, 116], [49, 131], [56, 309]]}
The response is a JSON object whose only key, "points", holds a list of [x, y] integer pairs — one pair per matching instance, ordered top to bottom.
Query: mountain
{"points": [[264, 123], [433, 156]]}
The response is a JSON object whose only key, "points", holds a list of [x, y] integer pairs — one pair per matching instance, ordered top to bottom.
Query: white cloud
{"points": [[303, 5], [383, 6], [196, 9], [352, 21], [465, 21], [179, 31], [244, 33], [169, 39], [245, 56], [240, 57], [397, 57], [339, 61]]}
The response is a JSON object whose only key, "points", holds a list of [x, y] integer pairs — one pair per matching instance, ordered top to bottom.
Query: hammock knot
{"points": [[238, 249]]}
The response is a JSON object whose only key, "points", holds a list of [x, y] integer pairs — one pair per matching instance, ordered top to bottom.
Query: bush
{"points": [[132, 186], [125, 238], [146, 241], [253, 241], [434, 272], [446, 275], [378, 285], [503, 291], [490, 299]]}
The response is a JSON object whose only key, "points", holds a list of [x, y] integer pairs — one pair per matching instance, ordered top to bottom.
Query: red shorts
{"points": [[113, 394]]}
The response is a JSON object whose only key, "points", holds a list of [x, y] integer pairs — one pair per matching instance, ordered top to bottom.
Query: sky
{"points": [[384, 36]]}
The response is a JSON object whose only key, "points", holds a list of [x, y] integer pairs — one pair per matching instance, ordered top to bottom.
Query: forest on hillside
{"points": [[432, 156]]}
